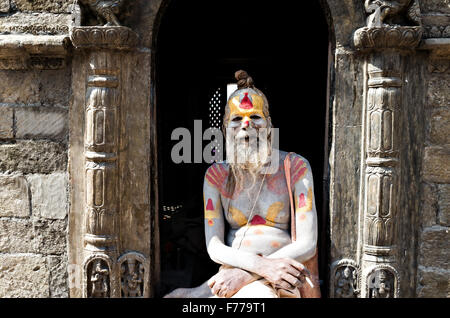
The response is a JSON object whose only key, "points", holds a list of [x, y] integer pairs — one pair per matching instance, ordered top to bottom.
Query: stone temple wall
{"points": [[35, 96], [34, 206], [434, 238], [433, 272]]}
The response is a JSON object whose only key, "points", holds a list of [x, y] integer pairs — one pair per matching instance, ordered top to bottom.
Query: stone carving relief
{"points": [[106, 11], [382, 12], [393, 31], [134, 273], [345, 275], [98, 279], [382, 282]]}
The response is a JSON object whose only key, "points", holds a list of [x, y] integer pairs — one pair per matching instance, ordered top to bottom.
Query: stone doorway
{"points": [[193, 64]]}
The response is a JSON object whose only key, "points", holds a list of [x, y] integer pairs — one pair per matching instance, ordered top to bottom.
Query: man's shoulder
{"points": [[293, 156], [218, 167]]}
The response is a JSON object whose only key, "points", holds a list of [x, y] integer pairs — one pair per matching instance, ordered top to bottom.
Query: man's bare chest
{"points": [[264, 208]]}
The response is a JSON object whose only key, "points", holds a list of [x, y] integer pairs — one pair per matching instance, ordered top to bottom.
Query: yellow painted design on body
{"points": [[273, 211], [238, 216]]}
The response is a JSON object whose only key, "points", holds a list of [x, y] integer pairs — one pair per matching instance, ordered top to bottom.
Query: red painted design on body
{"points": [[298, 170], [217, 176], [276, 182], [301, 200], [209, 205], [257, 220]]}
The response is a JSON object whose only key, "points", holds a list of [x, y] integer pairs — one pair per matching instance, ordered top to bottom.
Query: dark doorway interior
{"points": [[200, 45]]}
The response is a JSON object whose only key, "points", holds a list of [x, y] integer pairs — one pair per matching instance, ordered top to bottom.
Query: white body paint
{"points": [[223, 248]]}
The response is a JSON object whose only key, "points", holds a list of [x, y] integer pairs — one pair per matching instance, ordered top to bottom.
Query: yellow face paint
{"points": [[246, 104]]}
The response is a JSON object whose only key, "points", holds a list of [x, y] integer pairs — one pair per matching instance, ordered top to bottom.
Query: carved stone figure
{"points": [[105, 10], [387, 12], [263, 251], [132, 278], [99, 279], [346, 282], [381, 284]]}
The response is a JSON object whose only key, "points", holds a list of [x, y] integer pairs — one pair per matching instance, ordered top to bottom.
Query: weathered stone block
{"points": [[4, 6], [53, 6], [442, 6], [36, 24], [19, 87], [46, 87], [55, 87], [438, 92], [41, 122], [6, 123], [440, 126], [33, 157], [436, 165], [48, 193], [14, 199], [444, 204], [429, 206], [16, 236], [50, 236], [434, 249], [23, 276], [58, 276], [433, 283]]}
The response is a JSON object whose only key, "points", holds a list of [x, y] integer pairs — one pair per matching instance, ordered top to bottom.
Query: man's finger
{"points": [[300, 267], [292, 280], [211, 282]]}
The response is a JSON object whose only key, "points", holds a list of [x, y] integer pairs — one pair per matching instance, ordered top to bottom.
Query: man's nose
{"points": [[245, 122]]}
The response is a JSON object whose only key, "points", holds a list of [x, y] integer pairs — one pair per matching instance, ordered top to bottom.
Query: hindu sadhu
{"points": [[263, 253]]}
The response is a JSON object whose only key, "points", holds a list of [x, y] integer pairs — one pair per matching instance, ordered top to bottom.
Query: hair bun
{"points": [[244, 81]]}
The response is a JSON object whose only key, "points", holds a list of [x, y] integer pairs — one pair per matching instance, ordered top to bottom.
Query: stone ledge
{"points": [[438, 47], [18, 52]]}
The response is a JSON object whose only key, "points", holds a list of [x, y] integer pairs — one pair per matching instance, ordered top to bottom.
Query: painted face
{"points": [[246, 110]]}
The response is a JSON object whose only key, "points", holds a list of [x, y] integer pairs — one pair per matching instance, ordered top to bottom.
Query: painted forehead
{"points": [[246, 100]]}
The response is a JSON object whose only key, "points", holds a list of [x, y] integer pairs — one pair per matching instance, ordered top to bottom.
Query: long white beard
{"points": [[248, 161]]}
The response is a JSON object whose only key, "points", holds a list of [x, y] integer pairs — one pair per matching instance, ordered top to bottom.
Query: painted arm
{"points": [[305, 213], [218, 251], [282, 272]]}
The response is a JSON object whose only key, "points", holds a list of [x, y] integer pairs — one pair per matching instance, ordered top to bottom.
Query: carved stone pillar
{"points": [[386, 47], [103, 273]]}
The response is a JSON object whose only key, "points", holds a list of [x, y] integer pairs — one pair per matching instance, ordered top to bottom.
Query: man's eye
{"points": [[255, 117], [238, 118]]}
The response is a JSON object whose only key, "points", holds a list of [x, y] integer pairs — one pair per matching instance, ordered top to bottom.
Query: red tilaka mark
{"points": [[246, 103], [301, 200], [209, 205], [257, 220]]}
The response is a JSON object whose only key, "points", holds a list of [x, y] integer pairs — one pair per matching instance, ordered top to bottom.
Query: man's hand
{"points": [[283, 273], [228, 281]]}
